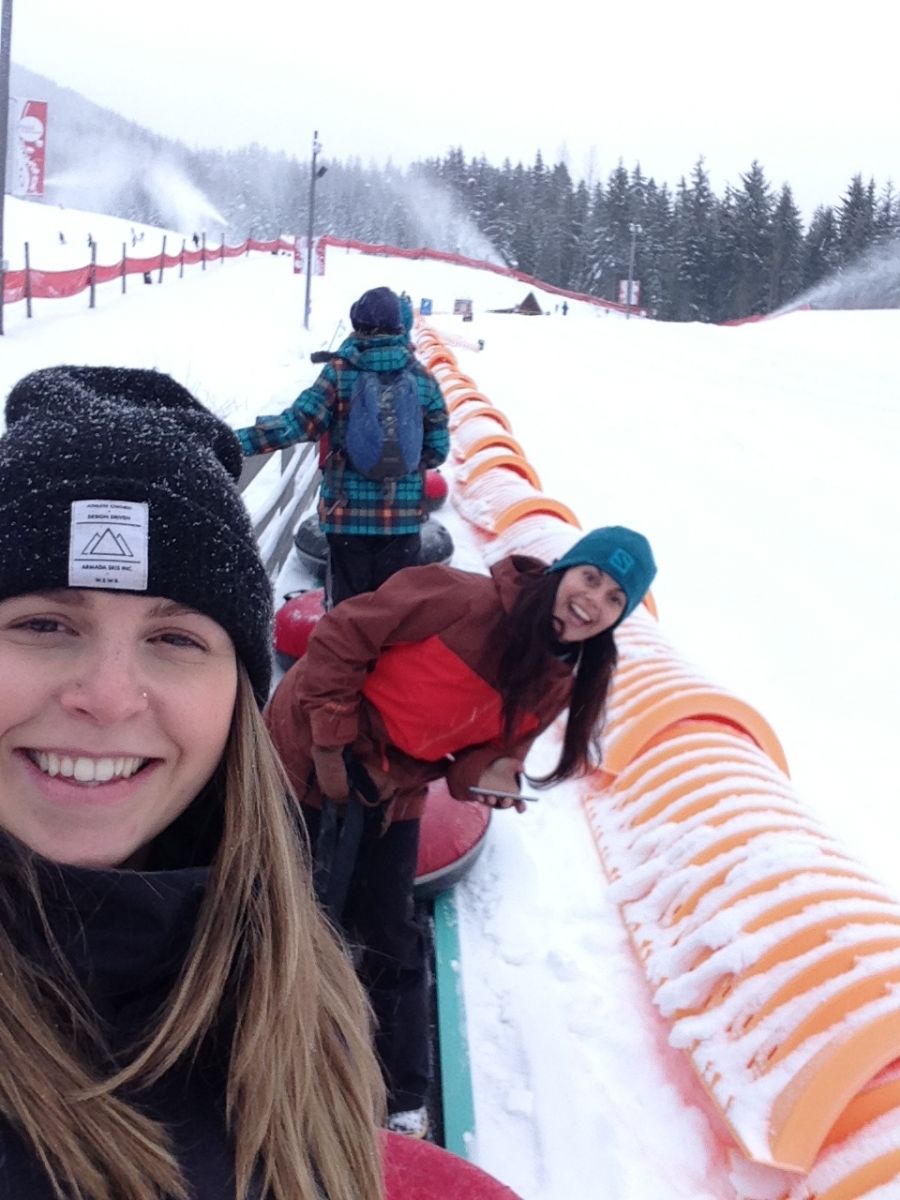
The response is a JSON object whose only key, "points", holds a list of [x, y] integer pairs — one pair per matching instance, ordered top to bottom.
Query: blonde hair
{"points": [[304, 1094]]}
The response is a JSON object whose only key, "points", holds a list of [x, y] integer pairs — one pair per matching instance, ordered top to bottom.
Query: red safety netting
{"points": [[479, 264], [54, 284]]}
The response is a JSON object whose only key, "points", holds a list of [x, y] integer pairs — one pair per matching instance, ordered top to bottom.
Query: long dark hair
{"points": [[528, 651], [304, 1094]]}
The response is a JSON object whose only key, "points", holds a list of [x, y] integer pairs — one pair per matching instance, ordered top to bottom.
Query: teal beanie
{"points": [[407, 316], [621, 553]]}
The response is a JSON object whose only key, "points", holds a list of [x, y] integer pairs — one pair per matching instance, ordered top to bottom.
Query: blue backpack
{"points": [[385, 425]]}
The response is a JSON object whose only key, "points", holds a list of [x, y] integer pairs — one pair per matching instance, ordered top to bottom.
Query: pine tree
{"points": [[753, 213], [856, 220], [617, 232], [695, 233], [787, 251], [821, 253], [657, 260], [593, 276], [726, 302]]}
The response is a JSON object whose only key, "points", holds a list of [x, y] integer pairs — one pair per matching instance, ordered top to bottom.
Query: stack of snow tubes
{"points": [[772, 953]]}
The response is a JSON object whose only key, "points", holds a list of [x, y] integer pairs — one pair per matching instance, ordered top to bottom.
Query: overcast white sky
{"points": [[812, 97]]}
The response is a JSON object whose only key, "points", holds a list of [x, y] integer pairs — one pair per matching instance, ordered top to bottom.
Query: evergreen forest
{"points": [[698, 256]]}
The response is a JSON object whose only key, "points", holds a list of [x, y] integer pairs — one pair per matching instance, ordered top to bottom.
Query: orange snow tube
{"points": [[773, 953]]}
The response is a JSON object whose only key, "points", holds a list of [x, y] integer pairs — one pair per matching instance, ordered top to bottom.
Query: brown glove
{"points": [[331, 773]]}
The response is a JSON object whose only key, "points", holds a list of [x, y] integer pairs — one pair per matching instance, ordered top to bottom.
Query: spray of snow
{"points": [[122, 169], [184, 205], [440, 220], [873, 281]]}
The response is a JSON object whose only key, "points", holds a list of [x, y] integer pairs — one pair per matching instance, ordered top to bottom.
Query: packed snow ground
{"points": [[761, 462]]}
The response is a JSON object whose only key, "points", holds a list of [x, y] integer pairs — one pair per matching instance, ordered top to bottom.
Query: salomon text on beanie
{"points": [[619, 552]]}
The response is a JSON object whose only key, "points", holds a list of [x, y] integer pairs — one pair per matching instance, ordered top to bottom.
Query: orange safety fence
{"points": [[774, 955]]}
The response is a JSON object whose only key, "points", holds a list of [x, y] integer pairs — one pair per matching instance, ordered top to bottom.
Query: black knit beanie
{"points": [[377, 311], [117, 478]]}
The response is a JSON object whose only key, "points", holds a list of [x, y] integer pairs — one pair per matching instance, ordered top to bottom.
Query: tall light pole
{"points": [[5, 46], [314, 174], [634, 229]]}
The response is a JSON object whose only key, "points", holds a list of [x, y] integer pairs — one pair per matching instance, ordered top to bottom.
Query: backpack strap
{"points": [[340, 836]]}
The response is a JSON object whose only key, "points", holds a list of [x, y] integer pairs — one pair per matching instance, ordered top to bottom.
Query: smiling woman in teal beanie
{"points": [[620, 553], [442, 674]]}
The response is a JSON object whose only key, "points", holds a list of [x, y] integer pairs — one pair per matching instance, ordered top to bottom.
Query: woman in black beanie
{"points": [[176, 1020]]}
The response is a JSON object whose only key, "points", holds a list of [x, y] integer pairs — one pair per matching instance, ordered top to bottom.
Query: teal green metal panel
{"points": [[456, 1077]]}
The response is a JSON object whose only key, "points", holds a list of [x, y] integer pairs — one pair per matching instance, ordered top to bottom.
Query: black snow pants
{"points": [[362, 562], [388, 945]]}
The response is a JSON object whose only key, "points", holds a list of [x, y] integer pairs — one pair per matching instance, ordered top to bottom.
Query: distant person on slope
{"points": [[407, 315], [372, 523], [440, 673]]}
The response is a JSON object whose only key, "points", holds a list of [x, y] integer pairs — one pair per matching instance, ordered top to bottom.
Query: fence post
{"points": [[222, 248], [203, 251], [247, 251], [162, 259], [181, 261], [93, 275], [124, 275], [27, 280]]}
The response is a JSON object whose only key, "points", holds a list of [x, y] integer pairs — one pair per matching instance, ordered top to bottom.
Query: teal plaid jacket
{"points": [[348, 502]]}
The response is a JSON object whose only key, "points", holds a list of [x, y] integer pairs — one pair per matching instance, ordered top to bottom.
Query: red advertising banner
{"points": [[28, 145], [318, 255], [635, 297]]}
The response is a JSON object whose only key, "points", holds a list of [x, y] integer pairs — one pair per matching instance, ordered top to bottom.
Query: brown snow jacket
{"points": [[407, 677]]}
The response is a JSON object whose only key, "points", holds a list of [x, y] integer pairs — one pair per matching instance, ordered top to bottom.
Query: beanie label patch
{"points": [[108, 542]]}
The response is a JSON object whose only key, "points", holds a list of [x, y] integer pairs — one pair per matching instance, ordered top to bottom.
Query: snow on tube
{"points": [[432, 355], [444, 374], [456, 381], [457, 396], [471, 408], [482, 432], [494, 461], [436, 489], [493, 491], [312, 548], [294, 622], [654, 689], [650, 693], [452, 837], [774, 955], [419, 1170]]}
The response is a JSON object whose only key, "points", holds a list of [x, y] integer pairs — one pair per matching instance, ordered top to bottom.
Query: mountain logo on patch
{"points": [[107, 544]]}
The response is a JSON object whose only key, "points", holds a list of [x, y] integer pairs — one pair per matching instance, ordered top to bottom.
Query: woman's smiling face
{"points": [[587, 602], [114, 712]]}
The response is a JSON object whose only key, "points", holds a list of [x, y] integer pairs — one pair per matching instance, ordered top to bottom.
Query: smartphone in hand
{"points": [[479, 791]]}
